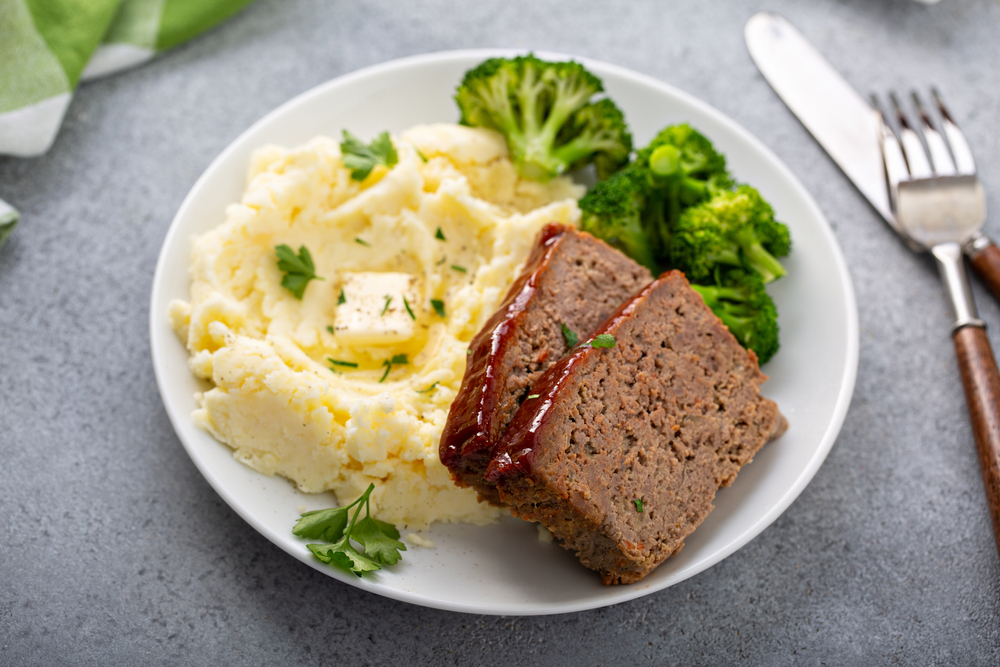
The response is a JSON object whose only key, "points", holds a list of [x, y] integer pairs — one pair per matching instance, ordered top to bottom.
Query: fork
{"points": [[940, 207]]}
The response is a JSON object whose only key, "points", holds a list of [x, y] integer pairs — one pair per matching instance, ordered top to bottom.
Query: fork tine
{"points": [[936, 146], [892, 153], [916, 157], [964, 162]]}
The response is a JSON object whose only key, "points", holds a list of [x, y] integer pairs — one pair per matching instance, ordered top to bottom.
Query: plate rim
{"points": [[622, 594]]}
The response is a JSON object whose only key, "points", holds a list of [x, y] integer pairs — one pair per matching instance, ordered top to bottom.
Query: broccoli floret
{"points": [[545, 113], [693, 155], [687, 167], [683, 169], [612, 211], [735, 228], [740, 300]]}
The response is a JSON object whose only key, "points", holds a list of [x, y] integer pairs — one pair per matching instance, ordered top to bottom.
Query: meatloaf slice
{"points": [[570, 278], [621, 453]]}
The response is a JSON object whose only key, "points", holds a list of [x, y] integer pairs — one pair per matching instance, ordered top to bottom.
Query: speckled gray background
{"points": [[115, 551]]}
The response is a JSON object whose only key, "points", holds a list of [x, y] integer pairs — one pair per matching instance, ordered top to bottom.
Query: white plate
{"points": [[505, 569]]}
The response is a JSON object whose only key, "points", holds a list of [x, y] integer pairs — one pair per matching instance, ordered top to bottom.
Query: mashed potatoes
{"points": [[449, 226]]}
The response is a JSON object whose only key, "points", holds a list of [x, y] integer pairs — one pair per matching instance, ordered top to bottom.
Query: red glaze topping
{"points": [[472, 428]]}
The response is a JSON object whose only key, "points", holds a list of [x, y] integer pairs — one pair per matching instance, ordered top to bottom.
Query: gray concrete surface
{"points": [[115, 551]]}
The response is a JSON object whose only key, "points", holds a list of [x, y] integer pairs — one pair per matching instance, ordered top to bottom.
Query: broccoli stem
{"points": [[580, 147], [539, 154], [730, 256], [759, 259]]}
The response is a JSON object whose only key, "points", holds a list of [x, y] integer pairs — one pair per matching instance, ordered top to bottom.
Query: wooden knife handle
{"points": [[986, 264], [982, 395]]}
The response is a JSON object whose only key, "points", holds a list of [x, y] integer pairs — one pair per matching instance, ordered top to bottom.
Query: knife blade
{"points": [[844, 124]]}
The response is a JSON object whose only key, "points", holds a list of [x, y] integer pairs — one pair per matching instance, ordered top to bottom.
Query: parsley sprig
{"points": [[361, 158], [298, 269], [380, 540]]}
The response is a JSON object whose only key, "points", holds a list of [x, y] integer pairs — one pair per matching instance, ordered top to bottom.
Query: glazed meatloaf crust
{"points": [[570, 278], [621, 453]]}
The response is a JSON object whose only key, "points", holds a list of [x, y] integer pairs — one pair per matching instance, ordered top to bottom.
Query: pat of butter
{"points": [[373, 312]]}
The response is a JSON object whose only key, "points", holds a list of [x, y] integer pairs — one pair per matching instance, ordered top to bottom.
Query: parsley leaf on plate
{"points": [[361, 158], [298, 269], [438, 305], [327, 525], [380, 540], [380, 546], [343, 555]]}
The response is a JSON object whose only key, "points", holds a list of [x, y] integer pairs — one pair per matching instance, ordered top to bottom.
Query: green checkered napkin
{"points": [[48, 46]]}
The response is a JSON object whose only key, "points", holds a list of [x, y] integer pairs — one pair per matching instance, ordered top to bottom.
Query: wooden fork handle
{"points": [[986, 263], [982, 395]]}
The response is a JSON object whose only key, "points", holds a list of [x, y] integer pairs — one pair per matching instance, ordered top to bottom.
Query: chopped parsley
{"points": [[420, 154], [361, 158], [439, 235], [361, 241], [298, 269], [462, 269], [341, 300], [388, 300], [438, 305], [408, 309], [330, 328], [569, 335], [603, 340], [468, 351], [399, 359], [338, 362], [424, 391], [533, 395], [638, 505], [378, 539]]}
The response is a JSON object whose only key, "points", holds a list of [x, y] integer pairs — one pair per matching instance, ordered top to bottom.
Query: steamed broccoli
{"points": [[545, 113], [677, 169], [686, 169], [677, 207], [613, 210], [735, 228], [739, 299]]}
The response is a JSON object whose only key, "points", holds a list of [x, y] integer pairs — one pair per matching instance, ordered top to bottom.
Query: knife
{"points": [[844, 124]]}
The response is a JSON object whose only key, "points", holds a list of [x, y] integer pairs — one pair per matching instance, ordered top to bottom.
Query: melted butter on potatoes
{"points": [[277, 398]]}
